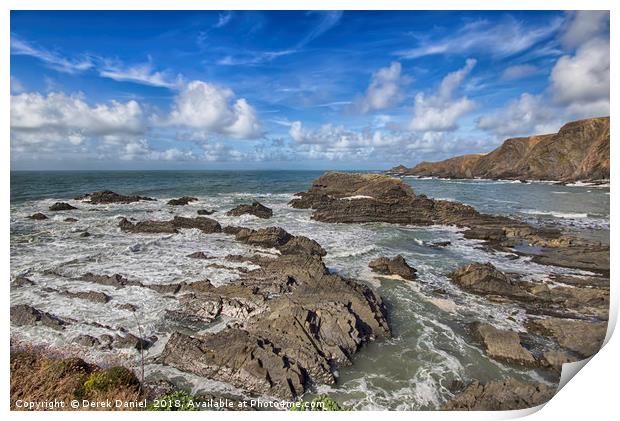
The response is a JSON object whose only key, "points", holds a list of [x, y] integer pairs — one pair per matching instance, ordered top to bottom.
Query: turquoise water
{"points": [[431, 347]]}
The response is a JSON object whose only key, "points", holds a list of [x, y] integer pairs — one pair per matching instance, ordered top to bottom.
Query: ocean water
{"points": [[431, 348]]}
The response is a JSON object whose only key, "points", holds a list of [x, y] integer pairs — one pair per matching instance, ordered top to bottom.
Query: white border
{"points": [[592, 394]]}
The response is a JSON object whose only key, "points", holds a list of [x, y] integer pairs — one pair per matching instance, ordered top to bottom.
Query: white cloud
{"points": [[583, 25], [501, 39], [52, 59], [518, 71], [140, 73], [580, 82], [384, 90], [204, 106], [441, 112], [529, 114], [37, 118], [337, 143], [140, 150]]}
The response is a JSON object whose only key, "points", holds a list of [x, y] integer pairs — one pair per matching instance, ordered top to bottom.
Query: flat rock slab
{"points": [[584, 338], [503, 345], [500, 395]]}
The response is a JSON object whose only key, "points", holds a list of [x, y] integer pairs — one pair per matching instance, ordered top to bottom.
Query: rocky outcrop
{"points": [[579, 151], [107, 196], [360, 198], [182, 201], [61, 206], [256, 208], [205, 211], [206, 225], [275, 237], [395, 266], [94, 296], [587, 300], [25, 315], [294, 322], [583, 337], [503, 345], [501, 395]]}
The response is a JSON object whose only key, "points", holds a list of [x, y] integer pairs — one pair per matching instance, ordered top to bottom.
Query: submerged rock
{"points": [[107, 196], [182, 201], [61, 206], [256, 208], [205, 211], [70, 220], [394, 266], [21, 281], [25, 315], [500, 395]]}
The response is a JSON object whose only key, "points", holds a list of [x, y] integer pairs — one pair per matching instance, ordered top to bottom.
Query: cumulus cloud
{"points": [[583, 25], [580, 82], [384, 90], [207, 107], [441, 111], [526, 115], [37, 118], [337, 143], [140, 150]]}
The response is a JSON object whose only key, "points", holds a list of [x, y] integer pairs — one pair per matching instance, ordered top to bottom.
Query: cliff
{"points": [[578, 152]]}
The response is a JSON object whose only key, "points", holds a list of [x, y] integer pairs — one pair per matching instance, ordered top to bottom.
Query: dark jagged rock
{"points": [[579, 151], [107, 196], [182, 201], [61, 206], [256, 209], [205, 212], [38, 216], [70, 220], [206, 225], [85, 234], [278, 238], [198, 255], [394, 266], [485, 279], [116, 280], [21, 281], [94, 296], [127, 306], [25, 315], [295, 322], [86, 341], [131, 341], [503, 345], [500, 395]]}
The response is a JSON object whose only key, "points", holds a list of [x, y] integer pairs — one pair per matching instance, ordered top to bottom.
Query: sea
{"points": [[431, 352]]}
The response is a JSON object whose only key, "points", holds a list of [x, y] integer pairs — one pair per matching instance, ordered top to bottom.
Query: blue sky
{"points": [[294, 90]]}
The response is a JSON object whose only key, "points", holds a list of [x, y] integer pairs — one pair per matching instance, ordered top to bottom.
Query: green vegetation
{"points": [[110, 379], [175, 401], [319, 403]]}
